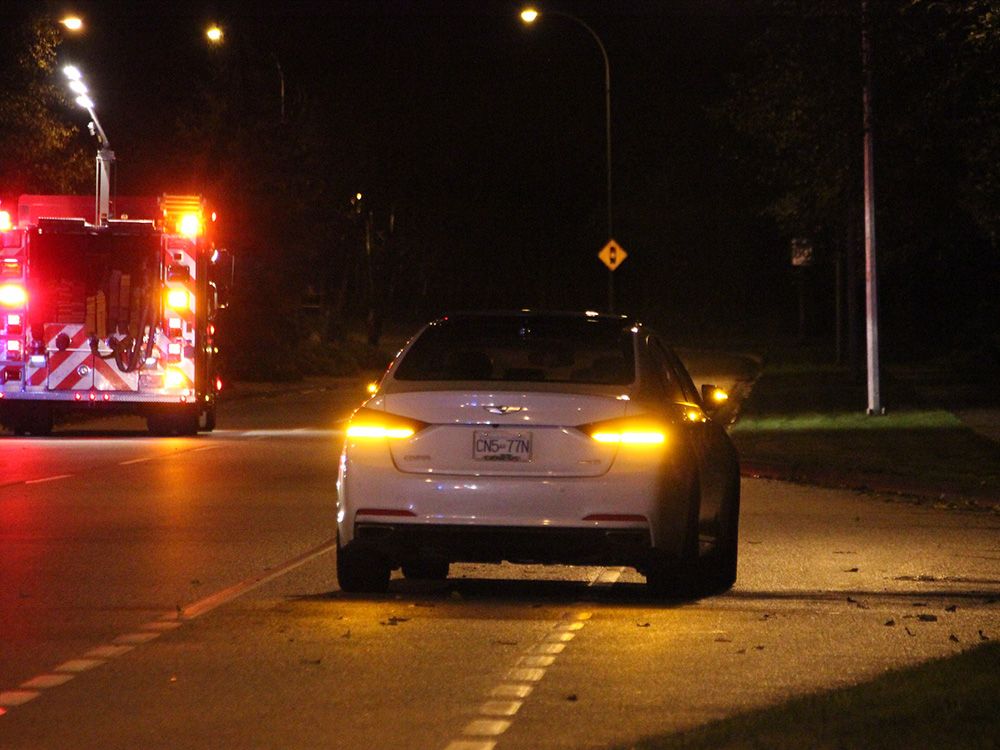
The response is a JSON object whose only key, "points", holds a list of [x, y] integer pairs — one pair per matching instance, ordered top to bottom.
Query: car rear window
{"points": [[546, 350]]}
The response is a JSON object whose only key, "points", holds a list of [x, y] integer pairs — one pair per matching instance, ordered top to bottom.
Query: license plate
{"points": [[498, 445]]}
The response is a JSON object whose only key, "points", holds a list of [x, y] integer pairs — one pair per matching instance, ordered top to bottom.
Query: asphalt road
{"points": [[181, 592]]}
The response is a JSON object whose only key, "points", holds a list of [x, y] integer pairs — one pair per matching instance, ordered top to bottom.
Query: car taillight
{"points": [[374, 424], [627, 431]]}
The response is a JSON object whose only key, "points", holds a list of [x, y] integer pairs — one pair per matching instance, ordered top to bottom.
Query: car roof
{"points": [[539, 315]]}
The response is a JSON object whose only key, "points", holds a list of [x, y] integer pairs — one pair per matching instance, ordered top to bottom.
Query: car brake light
{"points": [[374, 424], [627, 431]]}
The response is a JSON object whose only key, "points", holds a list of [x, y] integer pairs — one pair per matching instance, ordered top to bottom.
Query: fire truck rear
{"points": [[112, 317]]}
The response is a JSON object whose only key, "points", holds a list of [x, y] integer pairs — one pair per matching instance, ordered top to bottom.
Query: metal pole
{"points": [[607, 136], [105, 160], [871, 278]]}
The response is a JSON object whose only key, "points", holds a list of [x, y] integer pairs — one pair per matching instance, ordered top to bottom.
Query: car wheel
{"points": [[723, 559], [426, 569], [361, 570], [671, 577]]}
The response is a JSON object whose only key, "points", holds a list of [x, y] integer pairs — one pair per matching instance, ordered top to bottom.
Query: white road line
{"points": [[135, 461], [47, 479], [227, 595], [153, 630], [107, 652], [78, 665], [530, 668], [47, 681], [11, 698], [500, 708], [486, 727], [471, 745]]}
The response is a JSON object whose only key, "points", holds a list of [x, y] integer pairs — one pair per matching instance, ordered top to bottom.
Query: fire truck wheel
{"points": [[206, 420], [37, 422], [172, 424]]}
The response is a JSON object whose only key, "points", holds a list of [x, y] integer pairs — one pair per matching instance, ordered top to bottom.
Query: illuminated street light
{"points": [[529, 16], [72, 23], [215, 35], [105, 156]]}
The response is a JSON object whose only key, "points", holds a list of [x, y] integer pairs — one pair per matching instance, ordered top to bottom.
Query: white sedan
{"points": [[559, 438]]}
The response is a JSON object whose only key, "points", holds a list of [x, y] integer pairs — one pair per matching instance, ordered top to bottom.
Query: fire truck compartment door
{"points": [[71, 363]]}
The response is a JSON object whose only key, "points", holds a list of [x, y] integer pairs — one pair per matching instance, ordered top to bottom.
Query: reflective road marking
{"points": [[528, 669]]}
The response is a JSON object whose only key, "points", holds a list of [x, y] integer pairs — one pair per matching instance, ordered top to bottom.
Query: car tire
{"points": [[722, 561], [426, 569], [361, 571], [670, 577]]}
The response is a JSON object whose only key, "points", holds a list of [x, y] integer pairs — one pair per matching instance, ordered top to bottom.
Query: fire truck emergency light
{"points": [[190, 225], [13, 295], [177, 299], [174, 378]]}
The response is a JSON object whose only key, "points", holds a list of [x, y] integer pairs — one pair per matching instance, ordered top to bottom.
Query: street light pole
{"points": [[529, 16], [105, 156], [871, 278]]}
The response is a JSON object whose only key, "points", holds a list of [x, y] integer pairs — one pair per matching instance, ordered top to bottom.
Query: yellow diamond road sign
{"points": [[612, 255]]}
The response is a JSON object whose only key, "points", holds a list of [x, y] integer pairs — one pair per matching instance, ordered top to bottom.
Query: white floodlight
{"points": [[72, 73], [78, 87], [85, 101]]}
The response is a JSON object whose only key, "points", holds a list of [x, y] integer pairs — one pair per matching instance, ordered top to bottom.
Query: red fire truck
{"points": [[117, 316]]}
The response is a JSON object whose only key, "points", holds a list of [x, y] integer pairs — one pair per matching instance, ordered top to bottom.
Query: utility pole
{"points": [[871, 277]]}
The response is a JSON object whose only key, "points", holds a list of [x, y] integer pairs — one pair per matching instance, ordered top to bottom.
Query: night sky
{"points": [[488, 133]]}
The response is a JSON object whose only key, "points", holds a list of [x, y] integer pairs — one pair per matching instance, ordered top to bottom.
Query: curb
{"points": [[948, 497]]}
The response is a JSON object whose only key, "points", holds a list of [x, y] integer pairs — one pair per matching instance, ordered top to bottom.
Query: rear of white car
{"points": [[534, 444]]}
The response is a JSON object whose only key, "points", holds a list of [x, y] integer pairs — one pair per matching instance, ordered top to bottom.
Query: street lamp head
{"points": [[529, 15], [72, 23], [214, 33], [72, 72], [77, 86], [85, 101]]}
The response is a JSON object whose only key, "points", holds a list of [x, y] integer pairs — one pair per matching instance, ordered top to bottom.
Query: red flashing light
{"points": [[218, 384], [78, 396], [93, 396]]}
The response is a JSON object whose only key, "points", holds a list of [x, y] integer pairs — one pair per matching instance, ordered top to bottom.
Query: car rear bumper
{"points": [[399, 542]]}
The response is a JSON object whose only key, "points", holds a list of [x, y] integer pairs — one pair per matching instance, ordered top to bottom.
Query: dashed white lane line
{"points": [[135, 461], [47, 479], [122, 644], [78, 665], [529, 668], [47, 681], [11, 698]]}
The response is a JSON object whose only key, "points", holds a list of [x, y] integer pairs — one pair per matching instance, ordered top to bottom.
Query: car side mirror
{"points": [[713, 397]]}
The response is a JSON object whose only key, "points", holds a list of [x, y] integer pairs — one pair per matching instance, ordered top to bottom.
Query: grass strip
{"points": [[949, 702]]}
